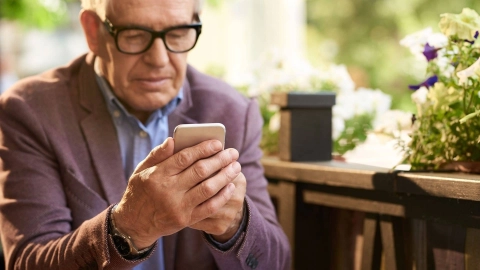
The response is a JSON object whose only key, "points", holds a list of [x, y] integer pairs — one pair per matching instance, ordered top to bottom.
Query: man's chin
{"points": [[152, 103]]}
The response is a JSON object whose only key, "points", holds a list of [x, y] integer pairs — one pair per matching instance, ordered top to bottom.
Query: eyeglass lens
{"points": [[138, 40]]}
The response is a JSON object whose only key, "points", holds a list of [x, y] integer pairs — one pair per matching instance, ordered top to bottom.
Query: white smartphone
{"points": [[188, 135]]}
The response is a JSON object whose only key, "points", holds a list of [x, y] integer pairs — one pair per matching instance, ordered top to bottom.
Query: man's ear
{"points": [[91, 28]]}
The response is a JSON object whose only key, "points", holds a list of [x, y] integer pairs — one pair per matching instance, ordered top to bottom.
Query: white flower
{"points": [[463, 25], [437, 40], [416, 41], [444, 64], [471, 71], [337, 75], [340, 75], [420, 96], [361, 101], [372, 101], [345, 106], [393, 120], [274, 124], [338, 125]]}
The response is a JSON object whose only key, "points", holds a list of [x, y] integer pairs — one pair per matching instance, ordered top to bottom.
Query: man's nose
{"points": [[157, 54]]}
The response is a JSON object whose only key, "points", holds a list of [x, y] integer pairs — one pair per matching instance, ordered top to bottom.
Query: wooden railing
{"points": [[348, 216]]}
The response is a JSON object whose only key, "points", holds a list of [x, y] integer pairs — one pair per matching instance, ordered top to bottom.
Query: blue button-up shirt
{"points": [[136, 141]]}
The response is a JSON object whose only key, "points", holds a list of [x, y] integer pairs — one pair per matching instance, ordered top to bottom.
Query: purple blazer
{"points": [[60, 170]]}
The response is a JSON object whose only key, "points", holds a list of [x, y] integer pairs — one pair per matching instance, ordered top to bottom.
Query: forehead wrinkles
{"points": [[122, 7]]}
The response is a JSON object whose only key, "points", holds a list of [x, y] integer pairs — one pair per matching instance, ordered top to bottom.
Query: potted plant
{"points": [[446, 129]]}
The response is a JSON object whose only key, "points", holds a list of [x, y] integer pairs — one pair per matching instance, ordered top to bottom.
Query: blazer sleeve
{"points": [[36, 224], [263, 245]]}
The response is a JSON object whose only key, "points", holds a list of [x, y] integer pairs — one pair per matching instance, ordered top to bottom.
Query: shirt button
{"points": [[116, 114], [143, 134]]}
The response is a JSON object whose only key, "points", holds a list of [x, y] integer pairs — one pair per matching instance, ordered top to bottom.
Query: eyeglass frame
{"points": [[113, 31]]}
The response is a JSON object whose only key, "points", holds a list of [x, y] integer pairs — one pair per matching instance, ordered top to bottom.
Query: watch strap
{"points": [[124, 243]]}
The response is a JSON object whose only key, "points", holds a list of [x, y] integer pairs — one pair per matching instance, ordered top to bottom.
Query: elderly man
{"points": [[88, 174]]}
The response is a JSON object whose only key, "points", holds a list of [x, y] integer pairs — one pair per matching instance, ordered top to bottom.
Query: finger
{"points": [[157, 155], [186, 157], [206, 168], [208, 188], [212, 205], [223, 220], [212, 225]]}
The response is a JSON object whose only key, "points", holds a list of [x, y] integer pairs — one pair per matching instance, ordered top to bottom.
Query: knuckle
{"points": [[204, 150], [153, 155], [183, 158], [201, 169], [148, 173], [207, 189], [226, 197], [211, 209], [180, 221]]}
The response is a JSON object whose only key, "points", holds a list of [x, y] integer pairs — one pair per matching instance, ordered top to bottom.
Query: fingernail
{"points": [[164, 144], [216, 145], [233, 153], [236, 167], [231, 187]]}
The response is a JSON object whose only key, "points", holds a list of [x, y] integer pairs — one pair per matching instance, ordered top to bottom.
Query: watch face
{"points": [[121, 244]]}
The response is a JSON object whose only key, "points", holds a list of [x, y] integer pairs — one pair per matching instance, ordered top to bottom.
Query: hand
{"points": [[168, 192], [225, 222]]}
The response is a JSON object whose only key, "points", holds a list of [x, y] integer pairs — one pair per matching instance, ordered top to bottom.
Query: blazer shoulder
{"points": [[44, 86]]}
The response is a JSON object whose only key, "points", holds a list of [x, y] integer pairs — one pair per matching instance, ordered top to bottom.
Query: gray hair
{"points": [[99, 6]]}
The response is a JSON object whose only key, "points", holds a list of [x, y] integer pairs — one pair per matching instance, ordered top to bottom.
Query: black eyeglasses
{"points": [[135, 40]]}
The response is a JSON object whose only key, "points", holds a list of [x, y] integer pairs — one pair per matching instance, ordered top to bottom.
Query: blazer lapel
{"points": [[100, 135]]}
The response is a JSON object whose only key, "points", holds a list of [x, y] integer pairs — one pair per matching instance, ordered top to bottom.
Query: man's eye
{"points": [[178, 33], [135, 35]]}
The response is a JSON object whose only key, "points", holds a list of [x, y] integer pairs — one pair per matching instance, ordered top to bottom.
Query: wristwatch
{"points": [[123, 243]]}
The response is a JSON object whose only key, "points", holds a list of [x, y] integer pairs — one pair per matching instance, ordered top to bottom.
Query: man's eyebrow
{"points": [[133, 25]]}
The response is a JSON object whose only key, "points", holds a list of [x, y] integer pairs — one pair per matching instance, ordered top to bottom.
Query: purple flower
{"points": [[475, 36], [430, 52], [427, 83]]}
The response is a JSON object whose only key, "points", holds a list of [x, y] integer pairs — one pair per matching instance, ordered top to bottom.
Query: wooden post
{"points": [[284, 193], [369, 232], [472, 249]]}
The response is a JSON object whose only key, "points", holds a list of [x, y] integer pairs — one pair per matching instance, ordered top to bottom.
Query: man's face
{"points": [[147, 81]]}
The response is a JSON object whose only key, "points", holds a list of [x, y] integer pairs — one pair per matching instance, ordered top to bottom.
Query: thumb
{"points": [[157, 155]]}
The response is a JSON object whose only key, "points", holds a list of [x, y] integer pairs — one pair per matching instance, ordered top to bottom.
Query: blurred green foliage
{"points": [[46, 14], [365, 35], [355, 132]]}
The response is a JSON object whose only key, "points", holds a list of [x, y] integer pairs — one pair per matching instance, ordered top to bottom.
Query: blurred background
{"points": [[363, 35]]}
